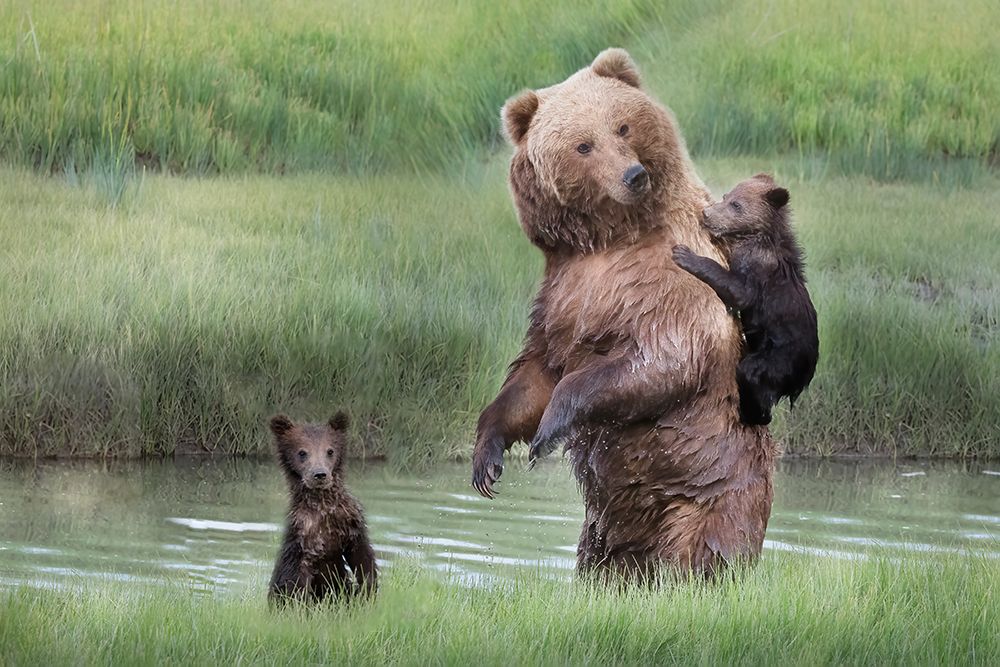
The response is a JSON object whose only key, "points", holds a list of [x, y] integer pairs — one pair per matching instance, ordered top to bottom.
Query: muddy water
{"points": [[217, 524]]}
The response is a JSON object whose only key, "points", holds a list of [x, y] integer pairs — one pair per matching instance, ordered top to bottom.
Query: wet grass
{"points": [[247, 85], [178, 320], [788, 610]]}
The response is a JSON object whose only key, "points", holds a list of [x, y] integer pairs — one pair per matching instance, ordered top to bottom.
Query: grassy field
{"points": [[196, 87], [356, 245], [180, 319], [789, 610]]}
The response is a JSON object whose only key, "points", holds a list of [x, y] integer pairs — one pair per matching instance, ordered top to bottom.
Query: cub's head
{"points": [[596, 144], [755, 206], [312, 455]]}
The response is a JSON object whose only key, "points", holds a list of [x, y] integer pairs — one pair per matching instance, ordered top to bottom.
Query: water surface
{"points": [[217, 523]]}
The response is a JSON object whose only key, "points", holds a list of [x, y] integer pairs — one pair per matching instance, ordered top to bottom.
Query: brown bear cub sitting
{"points": [[766, 284], [325, 533]]}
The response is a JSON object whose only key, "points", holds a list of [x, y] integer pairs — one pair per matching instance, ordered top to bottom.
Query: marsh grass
{"points": [[875, 88], [179, 320], [788, 610]]}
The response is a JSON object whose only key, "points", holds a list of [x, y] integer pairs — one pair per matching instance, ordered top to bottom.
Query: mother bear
{"points": [[628, 360]]}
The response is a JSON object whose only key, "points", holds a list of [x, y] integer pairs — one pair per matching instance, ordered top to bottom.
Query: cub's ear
{"points": [[616, 64], [517, 114], [763, 176], [777, 197], [340, 421], [280, 425]]}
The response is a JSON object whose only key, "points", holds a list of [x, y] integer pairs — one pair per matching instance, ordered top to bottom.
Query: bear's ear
{"points": [[616, 64], [517, 114], [762, 176], [777, 197], [340, 421], [280, 425]]}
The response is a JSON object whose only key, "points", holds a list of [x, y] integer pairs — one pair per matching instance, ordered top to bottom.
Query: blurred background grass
{"points": [[237, 85], [355, 245]]}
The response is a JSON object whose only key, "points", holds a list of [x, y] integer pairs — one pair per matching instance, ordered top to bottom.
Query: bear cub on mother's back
{"points": [[767, 285], [326, 539]]}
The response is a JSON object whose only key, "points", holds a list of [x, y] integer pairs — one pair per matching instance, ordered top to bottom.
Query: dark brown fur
{"points": [[766, 283], [628, 360], [326, 538]]}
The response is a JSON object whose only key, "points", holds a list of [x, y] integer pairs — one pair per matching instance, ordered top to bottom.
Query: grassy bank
{"points": [[278, 86], [178, 320], [789, 610]]}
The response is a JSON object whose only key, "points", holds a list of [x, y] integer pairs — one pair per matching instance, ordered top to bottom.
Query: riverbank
{"points": [[178, 320], [787, 610]]}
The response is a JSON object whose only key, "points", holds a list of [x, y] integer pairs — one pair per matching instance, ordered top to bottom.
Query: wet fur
{"points": [[766, 284], [629, 361], [326, 550]]}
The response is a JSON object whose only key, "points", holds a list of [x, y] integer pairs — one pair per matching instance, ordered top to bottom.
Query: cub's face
{"points": [[593, 140], [749, 208], [311, 454]]}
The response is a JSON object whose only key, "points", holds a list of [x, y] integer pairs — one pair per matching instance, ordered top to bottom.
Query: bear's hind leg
{"points": [[331, 578]]}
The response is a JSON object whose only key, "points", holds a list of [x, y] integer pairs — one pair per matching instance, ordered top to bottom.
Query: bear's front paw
{"points": [[544, 443], [487, 466]]}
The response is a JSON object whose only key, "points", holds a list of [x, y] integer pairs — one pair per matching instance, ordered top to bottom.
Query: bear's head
{"points": [[595, 156], [755, 206], [312, 455]]}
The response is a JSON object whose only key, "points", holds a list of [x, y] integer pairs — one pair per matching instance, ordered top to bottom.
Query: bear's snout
{"points": [[636, 178]]}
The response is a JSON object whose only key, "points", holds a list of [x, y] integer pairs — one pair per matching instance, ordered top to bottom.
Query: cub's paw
{"points": [[683, 256], [487, 466]]}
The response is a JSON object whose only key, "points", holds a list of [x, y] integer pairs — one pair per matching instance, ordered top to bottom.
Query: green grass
{"points": [[251, 85], [151, 314], [181, 318], [788, 610]]}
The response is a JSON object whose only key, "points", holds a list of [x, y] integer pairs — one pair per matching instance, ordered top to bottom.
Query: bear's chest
{"points": [[594, 302], [320, 531]]}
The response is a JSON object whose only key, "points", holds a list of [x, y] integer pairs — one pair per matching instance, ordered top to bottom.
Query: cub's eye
{"points": [[623, 130], [583, 149], [735, 205], [329, 452], [302, 455]]}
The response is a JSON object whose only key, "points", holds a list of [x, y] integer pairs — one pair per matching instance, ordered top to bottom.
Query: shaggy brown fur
{"points": [[766, 284], [628, 360], [325, 534]]}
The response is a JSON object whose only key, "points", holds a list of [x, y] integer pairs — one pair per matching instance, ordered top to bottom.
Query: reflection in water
{"points": [[217, 524]]}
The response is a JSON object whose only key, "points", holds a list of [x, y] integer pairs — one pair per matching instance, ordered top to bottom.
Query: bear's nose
{"points": [[635, 177], [319, 474]]}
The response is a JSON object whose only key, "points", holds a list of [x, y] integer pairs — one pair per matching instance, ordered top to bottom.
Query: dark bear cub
{"points": [[766, 284], [326, 539]]}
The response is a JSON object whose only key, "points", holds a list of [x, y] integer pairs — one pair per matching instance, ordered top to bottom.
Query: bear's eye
{"points": [[623, 130], [583, 149], [735, 205], [329, 452], [302, 455]]}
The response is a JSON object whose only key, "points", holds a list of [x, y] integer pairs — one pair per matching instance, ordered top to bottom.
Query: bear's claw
{"points": [[540, 448], [486, 471]]}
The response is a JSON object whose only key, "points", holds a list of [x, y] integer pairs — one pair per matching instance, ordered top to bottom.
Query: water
{"points": [[216, 524]]}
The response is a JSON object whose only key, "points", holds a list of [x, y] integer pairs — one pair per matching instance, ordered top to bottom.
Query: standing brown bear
{"points": [[629, 360], [325, 533]]}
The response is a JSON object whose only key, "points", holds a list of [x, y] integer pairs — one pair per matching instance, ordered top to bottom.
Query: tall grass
{"points": [[249, 85], [276, 86], [891, 89], [178, 320], [789, 610]]}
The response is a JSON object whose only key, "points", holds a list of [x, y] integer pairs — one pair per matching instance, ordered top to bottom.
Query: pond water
{"points": [[216, 524]]}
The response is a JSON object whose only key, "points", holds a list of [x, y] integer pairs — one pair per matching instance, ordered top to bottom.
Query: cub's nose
{"points": [[635, 177], [319, 474]]}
